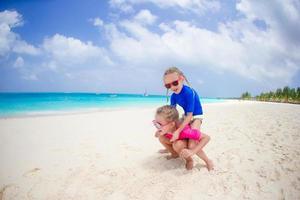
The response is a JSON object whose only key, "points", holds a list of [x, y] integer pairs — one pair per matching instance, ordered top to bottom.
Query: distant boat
{"points": [[145, 93]]}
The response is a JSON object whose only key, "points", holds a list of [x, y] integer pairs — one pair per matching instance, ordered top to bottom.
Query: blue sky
{"points": [[223, 47]]}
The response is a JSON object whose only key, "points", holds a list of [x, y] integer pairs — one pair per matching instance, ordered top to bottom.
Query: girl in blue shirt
{"points": [[188, 99]]}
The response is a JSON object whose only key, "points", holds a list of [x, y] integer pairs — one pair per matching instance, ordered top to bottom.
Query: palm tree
{"points": [[285, 93], [278, 94], [298, 94], [246, 95], [292, 95], [271, 96]]}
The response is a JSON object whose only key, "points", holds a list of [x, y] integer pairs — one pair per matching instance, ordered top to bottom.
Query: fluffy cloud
{"points": [[123, 5], [196, 6], [145, 17], [11, 18], [282, 20], [97, 22], [10, 41], [260, 45], [137, 47], [69, 51], [268, 55], [19, 62], [30, 77]]}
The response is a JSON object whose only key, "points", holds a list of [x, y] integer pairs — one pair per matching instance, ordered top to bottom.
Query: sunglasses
{"points": [[174, 83], [159, 125]]}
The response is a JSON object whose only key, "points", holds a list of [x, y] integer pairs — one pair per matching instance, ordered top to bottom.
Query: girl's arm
{"points": [[186, 121], [160, 133]]}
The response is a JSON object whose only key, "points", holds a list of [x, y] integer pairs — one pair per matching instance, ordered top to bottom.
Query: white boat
{"points": [[145, 93]]}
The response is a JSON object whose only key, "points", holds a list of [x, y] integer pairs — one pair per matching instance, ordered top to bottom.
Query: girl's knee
{"points": [[196, 124], [205, 137], [208, 137], [192, 144], [179, 145]]}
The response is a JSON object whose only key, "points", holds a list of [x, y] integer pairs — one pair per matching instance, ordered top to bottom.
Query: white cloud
{"points": [[123, 5], [196, 6], [145, 17], [11, 18], [283, 18], [97, 22], [164, 27], [10, 41], [23, 47], [137, 47], [240, 47], [70, 51], [267, 55], [69, 57], [19, 62], [52, 65], [31, 77]]}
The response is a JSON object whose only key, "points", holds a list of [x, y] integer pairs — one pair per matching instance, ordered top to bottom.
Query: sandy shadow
{"points": [[159, 163], [2, 191]]}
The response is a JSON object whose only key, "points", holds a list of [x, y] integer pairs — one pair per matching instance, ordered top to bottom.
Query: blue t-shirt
{"points": [[188, 99]]}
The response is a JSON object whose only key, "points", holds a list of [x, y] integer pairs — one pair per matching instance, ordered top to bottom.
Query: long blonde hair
{"points": [[171, 70], [169, 113]]}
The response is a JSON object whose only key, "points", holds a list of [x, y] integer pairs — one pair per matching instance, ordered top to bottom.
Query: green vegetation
{"points": [[246, 95], [285, 95]]}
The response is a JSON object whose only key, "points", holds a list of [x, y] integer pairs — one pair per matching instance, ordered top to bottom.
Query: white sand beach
{"points": [[113, 155]]}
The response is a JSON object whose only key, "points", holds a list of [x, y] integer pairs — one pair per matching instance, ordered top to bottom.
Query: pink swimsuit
{"points": [[187, 133]]}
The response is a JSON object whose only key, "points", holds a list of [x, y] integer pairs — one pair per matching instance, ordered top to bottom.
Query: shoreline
{"points": [[91, 110], [70, 113]]}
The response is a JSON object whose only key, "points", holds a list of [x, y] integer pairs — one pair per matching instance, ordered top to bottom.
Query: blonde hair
{"points": [[172, 70], [169, 113]]}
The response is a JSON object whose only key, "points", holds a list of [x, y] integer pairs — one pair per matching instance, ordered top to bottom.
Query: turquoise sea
{"points": [[23, 104]]}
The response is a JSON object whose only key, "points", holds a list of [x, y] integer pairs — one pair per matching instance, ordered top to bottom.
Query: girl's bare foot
{"points": [[163, 151], [172, 156], [189, 164], [210, 165]]}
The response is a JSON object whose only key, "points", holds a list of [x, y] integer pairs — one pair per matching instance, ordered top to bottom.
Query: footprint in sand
{"points": [[130, 148], [31, 172], [110, 172], [258, 186], [4, 189]]}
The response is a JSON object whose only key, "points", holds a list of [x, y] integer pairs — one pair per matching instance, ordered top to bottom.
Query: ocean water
{"points": [[20, 104]]}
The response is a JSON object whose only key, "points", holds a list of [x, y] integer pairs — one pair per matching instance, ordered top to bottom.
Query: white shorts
{"points": [[201, 117]]}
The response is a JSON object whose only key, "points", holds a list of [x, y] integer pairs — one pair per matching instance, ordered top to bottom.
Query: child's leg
{"points": [[196, 123], [204, 138], [192, 144], [168, 145], [180, 145], [196, 147]]}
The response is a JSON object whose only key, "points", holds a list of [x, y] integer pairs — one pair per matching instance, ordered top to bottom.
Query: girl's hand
{"points": [[158, 133], [175, 136], [186, 153]]}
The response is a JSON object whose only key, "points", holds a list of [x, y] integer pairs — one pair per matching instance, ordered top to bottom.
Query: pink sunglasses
{"points": [[159, 125]]}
